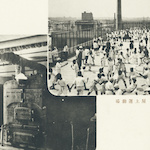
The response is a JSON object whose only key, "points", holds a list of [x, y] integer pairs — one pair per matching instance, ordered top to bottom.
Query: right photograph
{"points": [[98, 48]]}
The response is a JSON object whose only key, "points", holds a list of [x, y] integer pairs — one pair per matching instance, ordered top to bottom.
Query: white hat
{"points": [[80, 47]]}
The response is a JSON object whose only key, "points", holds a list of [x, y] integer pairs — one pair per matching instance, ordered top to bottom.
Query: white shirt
{"points": [[95, 45], [65, 49], [77, 52], [86, 52], [93, 53], [83, 54], [90, 60], [58, 67], [75, 67], [82, 71], [79, 81], [95, 81], [62, 83], [109, 86], [133, 88], [118, 92]]}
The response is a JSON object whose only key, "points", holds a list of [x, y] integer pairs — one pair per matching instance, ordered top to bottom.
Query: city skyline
{"points": [[74, 8]]}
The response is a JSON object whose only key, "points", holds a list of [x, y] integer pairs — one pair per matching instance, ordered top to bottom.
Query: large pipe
{"points": [[16, 59]]}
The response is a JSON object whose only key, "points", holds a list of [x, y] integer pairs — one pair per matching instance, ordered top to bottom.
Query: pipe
{"points": [[2, 133], [72, 135], [87, 139]]}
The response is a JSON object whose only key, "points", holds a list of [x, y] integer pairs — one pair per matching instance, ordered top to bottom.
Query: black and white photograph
{"points": [[99, 47], [74, 74], [30, 116]]}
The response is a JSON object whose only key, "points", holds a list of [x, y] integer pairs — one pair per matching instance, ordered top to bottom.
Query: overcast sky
{"points": [[99, 8]]}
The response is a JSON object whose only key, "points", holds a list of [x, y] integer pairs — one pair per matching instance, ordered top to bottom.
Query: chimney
{"points": [[119, 16]]}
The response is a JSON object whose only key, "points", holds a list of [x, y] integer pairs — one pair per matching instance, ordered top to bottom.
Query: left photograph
{"points": [[22, 78], [30, 116]]}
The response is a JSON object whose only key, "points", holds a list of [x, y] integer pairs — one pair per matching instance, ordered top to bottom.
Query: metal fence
{"points": [[71, 38], [75, 38]]}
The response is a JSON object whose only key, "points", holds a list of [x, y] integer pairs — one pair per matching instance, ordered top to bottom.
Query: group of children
{"points": [[113, 62]]}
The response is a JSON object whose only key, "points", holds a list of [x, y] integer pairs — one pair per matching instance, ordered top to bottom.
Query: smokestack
{"points": [[119, 16]]}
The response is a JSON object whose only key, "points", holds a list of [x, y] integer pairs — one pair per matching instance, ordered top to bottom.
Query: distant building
{"points": [[87, 16], [87, 22], [60, 24], [136, 24]]}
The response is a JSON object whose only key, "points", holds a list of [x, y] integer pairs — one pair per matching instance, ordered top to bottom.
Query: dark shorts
{"points": [[96, 49]]}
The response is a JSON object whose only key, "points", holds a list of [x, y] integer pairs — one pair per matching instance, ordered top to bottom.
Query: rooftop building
{"points": [[87, 22]]}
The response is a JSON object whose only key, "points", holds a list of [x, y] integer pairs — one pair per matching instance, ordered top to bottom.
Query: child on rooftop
{"points": [[75, 67], [62, 86]]}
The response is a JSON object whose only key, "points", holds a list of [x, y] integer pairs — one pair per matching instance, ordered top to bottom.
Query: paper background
{"points": [[23, 16], [119, 126], [123, 126]]}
